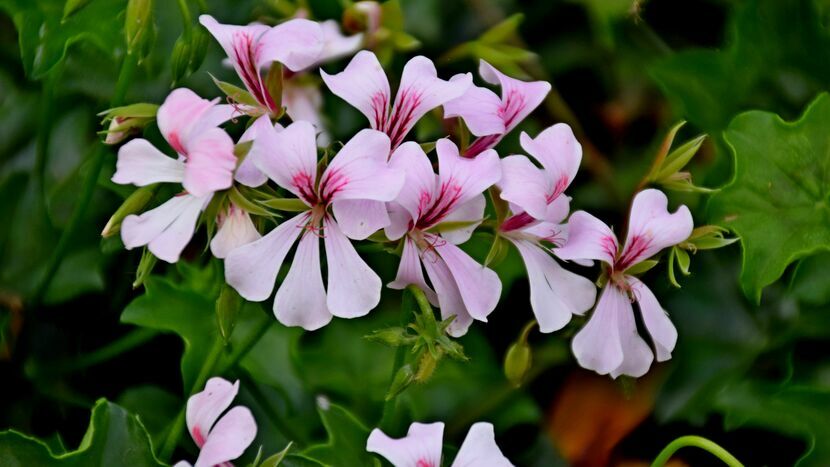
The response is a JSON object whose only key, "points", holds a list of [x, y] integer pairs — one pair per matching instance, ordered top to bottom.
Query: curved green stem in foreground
{"points": [[400, 354], [698, 442]]}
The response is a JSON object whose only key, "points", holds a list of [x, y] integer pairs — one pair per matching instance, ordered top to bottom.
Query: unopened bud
{"points": [[363, 16], [138, 25], [200, 41], [180, 58], [133, 204], [391, 336], [517, 362], [403, 378]]}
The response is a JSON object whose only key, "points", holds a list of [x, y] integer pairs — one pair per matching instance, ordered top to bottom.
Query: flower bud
{"points": [[138, 25], [200, 41], [180, 58], [133, 204], [227, 309], [517, 362], [426, 366], [403, 378]]}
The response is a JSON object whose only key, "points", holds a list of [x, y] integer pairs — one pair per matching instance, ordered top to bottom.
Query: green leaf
{"points": [[503, 30], [235, 93], [779, 199], [642, 267], [811, 281], [228, 306], [153, 406], [114, 437], [346, 444]]}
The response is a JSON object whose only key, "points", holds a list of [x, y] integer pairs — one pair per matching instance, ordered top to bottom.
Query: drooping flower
{"points": [[296, 43], [364, 85], [490, 117], [206, 163], [356, 179], [539, 208], [235, 229], [463, 288], [609, 342], [220, 439], [422, 447]]}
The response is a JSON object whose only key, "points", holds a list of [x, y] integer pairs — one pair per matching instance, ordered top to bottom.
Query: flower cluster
{"points": [[382, 186]]}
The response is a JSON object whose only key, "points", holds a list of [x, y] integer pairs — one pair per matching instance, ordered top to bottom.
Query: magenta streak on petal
{"points": [[245, 53], [513, 103], [380, 109], [400, 122], [176, 143], [482, 144], [333, 182], [304, 184], [558, 189], [442, 206], [517, 221], [639, 244], [609, 246], [198, 438], [424, 463]]}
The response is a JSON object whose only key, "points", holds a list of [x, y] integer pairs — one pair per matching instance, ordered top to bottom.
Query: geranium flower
{"points": [[296, 43], [364, 85], [491, 117], [206, 163], [357, 173], [539, 208], [235, 229], [463, 288], [609, 342], [223, 440], [422, 446]]}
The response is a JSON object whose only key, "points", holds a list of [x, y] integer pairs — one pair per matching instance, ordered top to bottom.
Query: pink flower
{"points": [[296, 43], [363, 84], [490, 117], [206, 164], [355, 186], [539, 208], [235, 229], [463, 288], [609, 343], [223, 440], [422, 446]]}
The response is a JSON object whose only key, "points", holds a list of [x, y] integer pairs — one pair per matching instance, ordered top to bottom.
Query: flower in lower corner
{"points": [[205, 164], [346, 201], [539, 208], [434, 213], [609, 342], [220, 438], [422, 447]]}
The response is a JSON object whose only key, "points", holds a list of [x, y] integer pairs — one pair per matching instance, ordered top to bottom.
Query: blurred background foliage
{"points": [[750, 370]]}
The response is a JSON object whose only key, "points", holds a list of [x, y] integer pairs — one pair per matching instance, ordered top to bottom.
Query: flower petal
{"points": [[296, 43], [335, 44], [363, 84], [519, 98], [304, 102], [479, 107], [184, 115], [557, 149], [289, 157], [210, 163], [141, 164], [360, 170], [247, 173], [419, 183], [525, 185], [469, 215], [360, 218], [399, 221], [651, 227], [167, 229], [236, 229], [588, 238], [252, 269], [410, 272], [353, 287], [480, 287], [447, 293], [555, 294], [301, 299], [656, 320], [598, 346], [637, 356], [205, 407], [232, 434], [420, 447], [479, 449]]}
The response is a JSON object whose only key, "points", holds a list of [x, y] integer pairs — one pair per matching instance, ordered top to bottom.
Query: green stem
{"points": [[187, 20], [128, 66], [44, 134], [400, 354], [698, 442]]}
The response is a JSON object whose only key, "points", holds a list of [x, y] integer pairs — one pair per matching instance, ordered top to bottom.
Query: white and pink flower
{"points": [[364, 85], [490, 117], [205, 165], [355, 186], [539, 208], [435, 213], [609, 342], [220, 438], [422, 447]]}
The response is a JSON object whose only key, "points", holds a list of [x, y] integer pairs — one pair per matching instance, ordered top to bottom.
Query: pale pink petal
{"points": [[296, 43], [335, 44], [363, 84], [419, 92], [519, 98], [304, 102], [479, 107], [179, 115], [557, 149], [289, 157], [140, 163], [210, 163], [360, 171], [247, 173], [525, 185], [417, 191], [558, 209], [469, 215], [360, 218], [400, 221], [651, 227], [167, 229], [235, 230], [556, 234], [588, 238], [252, 269], [410, 272], [353, 287], [480, 287], [555, 294], [449, 297], [301, 298], [656, 320], [598, 346], [637, 356], [205, 407], [233, 433], [421, 447], [479, 449], [182, 464]]}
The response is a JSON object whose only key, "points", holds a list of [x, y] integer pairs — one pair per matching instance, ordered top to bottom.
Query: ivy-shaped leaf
{"points": [[779, 199], [114, 437], [346, 445]]}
